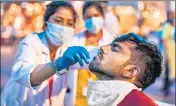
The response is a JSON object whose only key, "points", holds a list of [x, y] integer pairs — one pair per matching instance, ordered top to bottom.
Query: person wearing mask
{"points": [[94, 35], [36, 77]]}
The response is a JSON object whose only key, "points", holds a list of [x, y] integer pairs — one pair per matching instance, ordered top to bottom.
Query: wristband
{"points": [[54, 68]]}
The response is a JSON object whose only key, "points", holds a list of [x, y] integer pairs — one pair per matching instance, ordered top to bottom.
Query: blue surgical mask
{"points": [[94, 25], [59, 34]]}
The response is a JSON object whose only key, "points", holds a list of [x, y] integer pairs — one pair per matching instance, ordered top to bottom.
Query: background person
{"points": [[94, 35], [169, 44]]}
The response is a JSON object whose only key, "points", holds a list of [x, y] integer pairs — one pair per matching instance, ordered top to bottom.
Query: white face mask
{"points": [[94, 25], [59, 34]]}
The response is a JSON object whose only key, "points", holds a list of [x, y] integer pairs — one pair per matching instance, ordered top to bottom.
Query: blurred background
{"points": [[154, 20]]}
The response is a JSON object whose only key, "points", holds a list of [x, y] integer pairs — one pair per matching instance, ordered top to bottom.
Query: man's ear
{"points": [[130, 71]]}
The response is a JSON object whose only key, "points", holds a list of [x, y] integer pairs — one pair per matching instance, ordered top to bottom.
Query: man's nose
{"points": [[105, 49]]}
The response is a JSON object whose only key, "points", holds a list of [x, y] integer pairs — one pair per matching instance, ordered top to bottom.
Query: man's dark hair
{"points": [[103, 2], [92, 3], [54, 5], [148, 54]]}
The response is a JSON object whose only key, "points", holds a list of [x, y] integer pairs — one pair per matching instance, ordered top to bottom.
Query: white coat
{"points": [[32, 51]]}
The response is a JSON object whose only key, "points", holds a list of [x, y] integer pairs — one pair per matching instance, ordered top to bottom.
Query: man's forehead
{"points": [[132, 37], [127, 44], [127, 47]]}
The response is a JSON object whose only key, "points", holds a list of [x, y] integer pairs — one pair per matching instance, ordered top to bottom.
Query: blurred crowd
{"points": [[139, 17], [152, 20]]}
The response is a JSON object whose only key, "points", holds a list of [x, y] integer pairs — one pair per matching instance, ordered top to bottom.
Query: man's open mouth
{"points": [[100, 56]]}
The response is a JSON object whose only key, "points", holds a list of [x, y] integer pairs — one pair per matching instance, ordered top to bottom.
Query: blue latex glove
{"points": [[73, 55]]}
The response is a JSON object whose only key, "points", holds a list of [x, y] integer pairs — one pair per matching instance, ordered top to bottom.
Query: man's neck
{"points": [[101, 76], [104, 77]]}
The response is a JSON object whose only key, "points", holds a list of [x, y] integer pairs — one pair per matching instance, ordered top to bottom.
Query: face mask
{"points": [[94, 25], [59, 34]]}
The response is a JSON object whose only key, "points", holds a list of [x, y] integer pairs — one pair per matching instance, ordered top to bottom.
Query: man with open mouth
{"points": [[124, 69]]}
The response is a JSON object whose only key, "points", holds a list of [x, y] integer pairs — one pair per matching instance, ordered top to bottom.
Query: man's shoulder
{"points": [[137, 98]]}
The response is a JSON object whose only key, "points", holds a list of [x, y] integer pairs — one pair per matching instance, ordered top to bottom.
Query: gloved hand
{"points": [[73, 55]]}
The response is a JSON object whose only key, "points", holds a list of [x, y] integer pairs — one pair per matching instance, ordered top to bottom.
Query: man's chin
{"points": [[95, 67]]}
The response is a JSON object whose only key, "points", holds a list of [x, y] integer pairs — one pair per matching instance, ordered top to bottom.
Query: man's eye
{"points": [[115, 47]]}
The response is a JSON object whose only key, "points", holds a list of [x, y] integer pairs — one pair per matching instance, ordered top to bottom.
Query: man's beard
{"points": [[100, 71]]}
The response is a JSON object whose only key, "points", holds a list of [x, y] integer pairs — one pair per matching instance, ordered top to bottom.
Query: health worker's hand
{"points": [[73, 55]]}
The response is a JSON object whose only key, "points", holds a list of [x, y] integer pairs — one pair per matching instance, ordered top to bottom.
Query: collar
{"points": [[45, 46], [108, 93]]}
